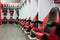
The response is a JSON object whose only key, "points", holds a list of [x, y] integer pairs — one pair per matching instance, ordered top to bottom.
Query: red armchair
{"points": [[48, 29]]}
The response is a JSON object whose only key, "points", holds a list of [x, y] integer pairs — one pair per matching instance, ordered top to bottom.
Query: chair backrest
{"points": [[5, 12], [11, 12], [53, 16], [5, 18], [11, 18], [32, 24], [58, 28], [50, 29]]}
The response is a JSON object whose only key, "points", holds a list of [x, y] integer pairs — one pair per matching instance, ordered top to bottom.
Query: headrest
{"points": [[54, 10], [4, 11], [11, 11], [53, 13], [4, 17], [11, 18], [28, 20], [37, 21]]}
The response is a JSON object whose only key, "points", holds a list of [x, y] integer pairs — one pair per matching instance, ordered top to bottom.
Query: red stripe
{"points": [[0, 13]]}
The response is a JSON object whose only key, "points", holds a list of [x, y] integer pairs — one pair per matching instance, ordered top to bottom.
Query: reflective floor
{"points": [[11, 32]]}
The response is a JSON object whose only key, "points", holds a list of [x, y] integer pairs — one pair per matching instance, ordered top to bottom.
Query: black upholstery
{"points": [[51, 19], [4, 20], [11, 20], [58, 30], [33, 33], [45, 37]]}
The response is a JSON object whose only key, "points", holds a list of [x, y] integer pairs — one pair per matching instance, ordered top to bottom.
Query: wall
{"points": [[44, 7], [30, 9]]}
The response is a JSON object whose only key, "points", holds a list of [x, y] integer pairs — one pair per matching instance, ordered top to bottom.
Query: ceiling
{"points": [[10, 1]]}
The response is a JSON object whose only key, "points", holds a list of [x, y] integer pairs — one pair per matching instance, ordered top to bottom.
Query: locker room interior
{"points": [[29, 19]]}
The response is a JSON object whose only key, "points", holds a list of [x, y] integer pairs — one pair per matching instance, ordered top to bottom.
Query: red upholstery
{"points": [[5, 12], [11, 13], [59, 17], [15, 20], [44, 22], [23, 23], [31, 24], [27, 25], [36, 28], [39, 35], [53, 37]]}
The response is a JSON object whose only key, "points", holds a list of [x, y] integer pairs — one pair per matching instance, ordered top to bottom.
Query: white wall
{"points": [[44, 7], [30, 9]]}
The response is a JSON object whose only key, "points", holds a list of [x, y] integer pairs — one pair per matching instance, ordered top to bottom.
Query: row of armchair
{"points": [[48, 29]]}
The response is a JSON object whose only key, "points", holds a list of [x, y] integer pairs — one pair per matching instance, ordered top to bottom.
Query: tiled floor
{"points": [[11, 32]]}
